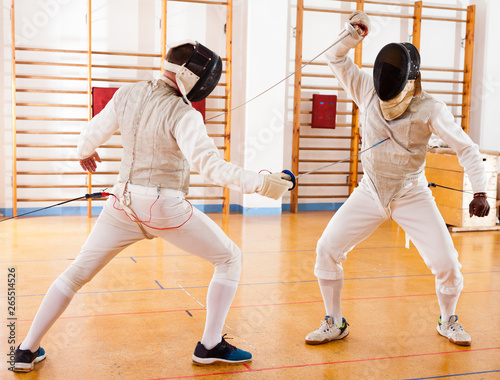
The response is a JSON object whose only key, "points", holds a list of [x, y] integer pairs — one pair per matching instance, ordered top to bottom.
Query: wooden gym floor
{"points": [[141, 317]]}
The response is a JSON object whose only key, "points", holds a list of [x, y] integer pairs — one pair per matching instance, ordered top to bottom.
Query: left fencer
{"points": [[162, 137]]}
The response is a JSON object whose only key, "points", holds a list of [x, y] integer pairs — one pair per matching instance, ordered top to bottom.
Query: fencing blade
{"points": [[344, 160]]}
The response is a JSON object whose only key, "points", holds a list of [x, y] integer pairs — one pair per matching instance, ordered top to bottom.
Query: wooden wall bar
{"points": [[469, 51], [228, 75], [89, 94], [297, 102], [14, 125]]}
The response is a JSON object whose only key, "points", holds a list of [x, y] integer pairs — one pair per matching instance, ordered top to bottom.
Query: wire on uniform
{"points": [[432, 184], [134, 219]]}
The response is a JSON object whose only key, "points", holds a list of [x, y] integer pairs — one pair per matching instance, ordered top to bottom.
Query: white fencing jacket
{"points": [[162, 136], [401, 160]]}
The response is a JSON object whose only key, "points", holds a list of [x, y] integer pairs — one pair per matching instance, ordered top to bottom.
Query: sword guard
{"points": [[293, 179]]}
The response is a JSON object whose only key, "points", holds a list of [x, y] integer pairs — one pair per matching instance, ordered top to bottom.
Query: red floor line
{"points": [[247, 306], [330, 363]]}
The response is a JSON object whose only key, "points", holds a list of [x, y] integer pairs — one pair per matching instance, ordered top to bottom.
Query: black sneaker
{"points": [[222, 353], [25, 359]]}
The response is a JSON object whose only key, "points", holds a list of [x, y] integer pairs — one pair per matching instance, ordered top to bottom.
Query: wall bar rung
{"points": [[204, 2], [443, 19], [51, 63], [43, 91], [51, 105], [48, 118], [338, 125], [34, 132], [325, 137], [326, 149], [323, 161], [323, 184], [323, 196], [205, 198]]}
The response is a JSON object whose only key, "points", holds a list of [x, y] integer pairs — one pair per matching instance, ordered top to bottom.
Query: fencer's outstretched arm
{"points": [[358, 84], [443, 124], [201, 152]]}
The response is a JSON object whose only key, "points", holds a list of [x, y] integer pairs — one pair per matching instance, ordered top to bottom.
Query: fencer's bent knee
{"points": [[328, 262], [229, 268], [76, 276], [72, 282], [450, 282]]}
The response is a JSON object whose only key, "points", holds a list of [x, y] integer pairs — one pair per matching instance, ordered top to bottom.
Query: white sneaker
{"points": [[454, 331], [328, 332]]}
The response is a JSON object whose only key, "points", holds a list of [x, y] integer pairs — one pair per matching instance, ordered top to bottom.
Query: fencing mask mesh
{"points": [[396, 63]]}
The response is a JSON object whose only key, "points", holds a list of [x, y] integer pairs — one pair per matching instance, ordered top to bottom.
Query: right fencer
{"points": [[393, 105]]}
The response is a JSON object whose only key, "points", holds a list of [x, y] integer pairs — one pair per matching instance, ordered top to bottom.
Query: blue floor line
{"points": [[247, 284], [454, 375]]}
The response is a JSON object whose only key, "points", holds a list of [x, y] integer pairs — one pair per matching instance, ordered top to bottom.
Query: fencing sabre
{"points": [[349, 30], [294, 177], [101, 194]]}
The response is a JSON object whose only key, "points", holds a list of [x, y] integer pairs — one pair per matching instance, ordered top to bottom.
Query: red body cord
{"points": [[134, 219]]}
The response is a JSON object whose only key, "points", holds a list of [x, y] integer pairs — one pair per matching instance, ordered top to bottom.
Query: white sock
{"points": [[331, 291], [219, 298], [447, 304], [53, 305]]}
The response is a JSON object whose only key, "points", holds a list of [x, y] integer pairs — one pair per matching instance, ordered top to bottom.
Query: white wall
{"points": [[263, 54], [264, 117], [485, 123]]}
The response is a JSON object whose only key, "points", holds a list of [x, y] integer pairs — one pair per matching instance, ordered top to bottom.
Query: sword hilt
{"points": [[292, 179]]}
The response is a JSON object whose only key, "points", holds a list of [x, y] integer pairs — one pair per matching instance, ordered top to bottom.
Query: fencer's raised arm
{"points": [[357, 83], [443, 124], [97, 131], [201, 152]]}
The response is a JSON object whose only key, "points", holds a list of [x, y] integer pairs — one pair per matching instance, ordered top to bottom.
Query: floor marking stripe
{"points": [[248, 284], [159, 285], [330, 363], [247, 367], [456, 374]]}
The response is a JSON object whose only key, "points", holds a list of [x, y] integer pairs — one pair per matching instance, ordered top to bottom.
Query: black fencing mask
{"points": [[395, 65], [200, 74]]}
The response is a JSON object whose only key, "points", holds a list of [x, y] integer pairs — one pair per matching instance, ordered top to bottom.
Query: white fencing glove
{"points": [[361, 23], [357, 28], [275, 185]]}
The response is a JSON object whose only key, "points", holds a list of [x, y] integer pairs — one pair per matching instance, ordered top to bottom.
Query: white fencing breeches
{"points": [[414, 209], [114, 231]]}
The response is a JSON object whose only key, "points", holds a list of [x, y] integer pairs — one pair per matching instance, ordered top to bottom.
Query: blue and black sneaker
{"points": [[222, 353], [25, 359]]}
